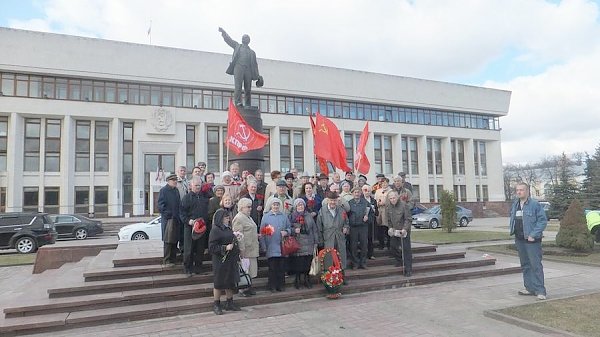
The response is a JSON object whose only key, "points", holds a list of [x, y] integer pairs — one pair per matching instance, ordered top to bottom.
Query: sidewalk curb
{"points": [[526, 324]]}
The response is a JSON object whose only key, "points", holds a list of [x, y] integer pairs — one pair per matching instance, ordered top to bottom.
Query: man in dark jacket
{"points": [[257, 201], [168, 206], [194, 206], [373, 213], [359, 228]]}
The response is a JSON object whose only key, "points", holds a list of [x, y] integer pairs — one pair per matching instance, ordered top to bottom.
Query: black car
{"points": [[76, 226], [26, 232]]}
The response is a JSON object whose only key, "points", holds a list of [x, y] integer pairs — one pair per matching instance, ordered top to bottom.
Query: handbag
{"points": [[289, 246], [315, 264], [245, 279]]}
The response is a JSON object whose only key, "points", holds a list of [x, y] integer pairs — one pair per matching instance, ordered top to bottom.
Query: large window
{"points": [[25, 85], [3, 142], [351, 143], [32, 145], [52, 145], [82, 146], [190, 146], [101, 147], [212, 147], [285, 150], [291, 150], [299, 150], [387, 154], [410, 155], [434, 156], [458, 156], [480, 158], [127, 167], [460, 192], [30, 199], [82, 199], [51, 200], [100, 200]]}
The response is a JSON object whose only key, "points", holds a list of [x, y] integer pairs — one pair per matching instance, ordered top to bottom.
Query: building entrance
{"points": [[156, 168]]}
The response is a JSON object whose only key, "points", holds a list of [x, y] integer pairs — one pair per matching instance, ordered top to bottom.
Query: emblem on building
{"points": [[162, 120]]}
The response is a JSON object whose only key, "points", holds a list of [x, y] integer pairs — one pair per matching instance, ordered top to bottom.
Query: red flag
{"points": [[241, 137], [329, 144], [322, 162], [361, 163]]}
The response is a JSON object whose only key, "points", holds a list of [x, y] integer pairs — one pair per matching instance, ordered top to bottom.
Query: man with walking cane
{"points": [[399, 222]]}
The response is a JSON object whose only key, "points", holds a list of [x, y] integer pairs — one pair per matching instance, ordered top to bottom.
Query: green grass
{"points": [[440, 237], [551, 253], [16, 259], [577, 315]]}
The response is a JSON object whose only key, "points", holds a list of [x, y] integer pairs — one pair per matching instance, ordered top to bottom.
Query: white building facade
{"points": [[84, 122]]}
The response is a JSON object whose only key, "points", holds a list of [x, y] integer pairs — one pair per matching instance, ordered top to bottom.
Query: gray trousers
{"points": [[242, 75], [359, 235], [530, 254]]}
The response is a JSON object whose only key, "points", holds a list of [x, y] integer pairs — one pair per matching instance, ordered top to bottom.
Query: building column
{"points": [[200, 140], [275, 149], [309, 152], [370, 152], [397, 158], [14, 163], [138, 165], [67, 166], [115, 169], [423, 175], [447, 175], [470, 178], [495, 179]]}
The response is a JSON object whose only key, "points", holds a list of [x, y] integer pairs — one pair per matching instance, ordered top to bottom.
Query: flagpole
{"points": [[150, 32]]}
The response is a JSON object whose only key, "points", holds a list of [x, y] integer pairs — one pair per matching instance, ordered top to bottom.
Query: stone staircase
{"points": [[128, 283]]}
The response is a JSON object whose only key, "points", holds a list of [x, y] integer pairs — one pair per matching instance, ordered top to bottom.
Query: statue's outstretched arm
{"points": [[232, 43]]}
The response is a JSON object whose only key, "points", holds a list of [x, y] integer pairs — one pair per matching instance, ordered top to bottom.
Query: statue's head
{"points": [[246, 39]]}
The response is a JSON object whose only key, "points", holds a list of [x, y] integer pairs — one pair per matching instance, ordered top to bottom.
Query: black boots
{"points": [[297, 281], [307, 282], [230, 306], [217, 308]]}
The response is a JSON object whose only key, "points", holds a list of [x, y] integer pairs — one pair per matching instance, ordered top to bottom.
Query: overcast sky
{"points": [[546, 52]]}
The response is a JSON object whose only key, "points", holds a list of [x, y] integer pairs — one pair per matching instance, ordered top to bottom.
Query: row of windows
{"points": [[24, 85], [51, 200]]}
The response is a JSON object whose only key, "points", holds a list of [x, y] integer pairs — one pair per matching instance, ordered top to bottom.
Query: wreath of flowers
{"points": [[333, 277]]}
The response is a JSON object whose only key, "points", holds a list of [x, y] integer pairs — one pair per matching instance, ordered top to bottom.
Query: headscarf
{"points": [[270, 202], [219, 215]]}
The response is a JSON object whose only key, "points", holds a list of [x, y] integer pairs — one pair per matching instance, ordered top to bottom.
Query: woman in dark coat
{"points": [[304, 229], [225, 252]]}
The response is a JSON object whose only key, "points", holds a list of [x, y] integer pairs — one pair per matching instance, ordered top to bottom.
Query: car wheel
{"points": [[464, 222], [433, 224], [81, 234], [139, 236], [25, 245]]}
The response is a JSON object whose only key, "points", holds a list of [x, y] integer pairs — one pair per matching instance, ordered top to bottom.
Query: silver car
{"points": [[432, 218]]}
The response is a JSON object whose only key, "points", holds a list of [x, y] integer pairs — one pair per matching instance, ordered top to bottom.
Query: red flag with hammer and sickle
{"points": [[241, 137]]}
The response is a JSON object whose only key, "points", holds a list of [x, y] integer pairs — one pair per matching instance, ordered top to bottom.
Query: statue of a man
{"points": [[243, 67]]}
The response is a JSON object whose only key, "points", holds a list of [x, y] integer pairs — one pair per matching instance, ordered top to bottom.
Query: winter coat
{"points": [[259, 200], [313, 205], [168, 206], [193, 206], [358, 210], [398, 216], [244, 224], [330, 230], [308, 236], [272, 244], [225, 264]]}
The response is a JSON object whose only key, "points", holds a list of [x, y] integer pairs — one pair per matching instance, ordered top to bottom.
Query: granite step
{"points": [[127, 254], [152, 270], [169, 280], [75, 318]]}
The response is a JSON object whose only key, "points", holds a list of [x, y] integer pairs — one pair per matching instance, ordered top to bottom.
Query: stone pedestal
{"points": [[251, 160]]}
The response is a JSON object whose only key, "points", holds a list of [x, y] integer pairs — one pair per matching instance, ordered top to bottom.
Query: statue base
{"points": [[251, 160]]}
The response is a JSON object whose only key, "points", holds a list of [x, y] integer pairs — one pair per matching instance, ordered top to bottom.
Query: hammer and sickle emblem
{"points": [[323, 128], [243, 132]]}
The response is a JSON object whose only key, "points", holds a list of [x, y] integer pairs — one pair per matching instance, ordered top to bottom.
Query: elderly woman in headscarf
{"points": [[346, 193], [214, 203], [304, 229], [270, 241], [249, 247], [224, 248]]}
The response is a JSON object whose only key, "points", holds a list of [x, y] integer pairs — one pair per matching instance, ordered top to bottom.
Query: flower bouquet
{"points": [[268, 230], [332, 277]]}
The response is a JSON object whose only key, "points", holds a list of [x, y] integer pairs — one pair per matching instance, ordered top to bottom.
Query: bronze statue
{"points": [[243, 67]]}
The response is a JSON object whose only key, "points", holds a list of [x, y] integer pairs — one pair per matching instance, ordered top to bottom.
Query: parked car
{"points": [[546, 205], [418, 209], [432, 218], [76, 226], [141, 231], [26, 232]]}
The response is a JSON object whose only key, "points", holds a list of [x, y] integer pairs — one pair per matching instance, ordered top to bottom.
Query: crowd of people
{"points": [[243, 216]]}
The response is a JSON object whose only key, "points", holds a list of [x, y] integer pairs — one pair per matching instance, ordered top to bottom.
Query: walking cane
{"points": [[402, 250]]}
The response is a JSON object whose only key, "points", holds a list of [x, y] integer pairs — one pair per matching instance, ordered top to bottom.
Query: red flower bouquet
{"points": [[260, 196], [311, 204], [344, 216], [300, 219], [268, 230]]}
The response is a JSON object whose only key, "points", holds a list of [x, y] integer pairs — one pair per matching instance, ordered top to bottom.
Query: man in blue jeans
{"points": [[527, 223]]}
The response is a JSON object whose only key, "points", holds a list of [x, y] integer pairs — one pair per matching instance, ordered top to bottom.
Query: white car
{"points": [[141, 231]]}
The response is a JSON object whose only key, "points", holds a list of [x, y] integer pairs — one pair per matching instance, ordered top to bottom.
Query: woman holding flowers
{"points": [[312, 199], [273, 227], [304, 229], [224, 248]]}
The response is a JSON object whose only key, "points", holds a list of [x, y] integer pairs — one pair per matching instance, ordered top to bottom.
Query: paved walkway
{"points": [[451, 309]]}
